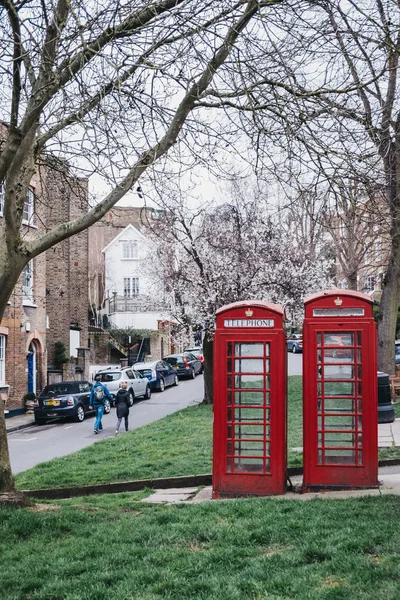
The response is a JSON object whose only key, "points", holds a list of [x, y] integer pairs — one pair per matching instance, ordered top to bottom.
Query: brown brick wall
{"points": [[60, 288]]}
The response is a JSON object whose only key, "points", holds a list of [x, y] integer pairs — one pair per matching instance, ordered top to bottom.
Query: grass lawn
{"points": [[179, 444], [113, 548]]}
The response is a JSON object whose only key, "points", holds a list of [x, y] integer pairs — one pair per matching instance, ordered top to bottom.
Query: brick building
{"points": [[49, 303]]}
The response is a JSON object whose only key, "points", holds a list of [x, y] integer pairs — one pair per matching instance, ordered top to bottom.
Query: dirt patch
{"points": [[44, 507]]}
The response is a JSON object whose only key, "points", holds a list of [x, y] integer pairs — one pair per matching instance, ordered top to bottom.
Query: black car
{"points": [[185, 364], [65, 399]]}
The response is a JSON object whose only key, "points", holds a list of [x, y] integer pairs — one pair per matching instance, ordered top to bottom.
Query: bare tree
{"points": [[107, 86], [333, 107]]}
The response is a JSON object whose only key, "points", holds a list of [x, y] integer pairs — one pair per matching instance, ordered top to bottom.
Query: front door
{"points": [[32, 368]]}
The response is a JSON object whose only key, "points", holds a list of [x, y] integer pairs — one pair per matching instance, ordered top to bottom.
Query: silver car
{"points": [[138, 386]]}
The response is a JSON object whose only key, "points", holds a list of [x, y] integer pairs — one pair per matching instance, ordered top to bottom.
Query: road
{"points": [[295, 364], [37, 444], [34, 445]]}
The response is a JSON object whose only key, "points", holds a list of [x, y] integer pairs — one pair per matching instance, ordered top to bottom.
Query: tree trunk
{"points": [[391, 294], [208, 349], [8, 492]]}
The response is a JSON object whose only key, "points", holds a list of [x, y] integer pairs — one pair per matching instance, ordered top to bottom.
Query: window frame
{"points": [[2, 197], [29, 204], [130, 250], [27, 285], [131, 287], [2, 359]]}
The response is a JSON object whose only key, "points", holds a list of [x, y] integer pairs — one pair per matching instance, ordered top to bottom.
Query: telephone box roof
{"points": [[338, 292], [253, 303]]}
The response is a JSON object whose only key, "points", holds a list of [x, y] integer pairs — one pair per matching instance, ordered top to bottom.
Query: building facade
{"points": [[49, 302]]}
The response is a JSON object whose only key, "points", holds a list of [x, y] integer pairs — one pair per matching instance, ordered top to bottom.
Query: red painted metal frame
{"points": [[340, 476], [233, 484]]}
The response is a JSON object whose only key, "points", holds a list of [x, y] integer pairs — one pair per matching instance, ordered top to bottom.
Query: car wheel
{"points": [[294, 349], [193, 374], [176, 380], [161, 385], [148, 393], [131, 397], [107, 407], [79, 414], [39, 421]]}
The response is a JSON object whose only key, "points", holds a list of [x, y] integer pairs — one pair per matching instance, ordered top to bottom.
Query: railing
{"points": [[137, 304]]}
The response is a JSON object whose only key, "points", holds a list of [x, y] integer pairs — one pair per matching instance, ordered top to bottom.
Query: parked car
{"points": [[294, 343], [397, 351], [198, 352], [185, 364], [159, 373], [138, 385], [66, 399]]}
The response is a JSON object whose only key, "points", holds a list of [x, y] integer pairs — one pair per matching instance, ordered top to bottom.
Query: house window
{"points": [[2, 193], [29, 203], [28, 206], [129, 250], [370, 282], [27, 283], [131, 287], [2, 358]]}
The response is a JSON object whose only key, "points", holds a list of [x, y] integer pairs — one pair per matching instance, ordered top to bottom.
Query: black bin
{"points": [[385, 406]]}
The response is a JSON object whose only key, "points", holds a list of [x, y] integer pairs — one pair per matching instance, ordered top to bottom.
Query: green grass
{"points": [[180, 444], [112, 548]]}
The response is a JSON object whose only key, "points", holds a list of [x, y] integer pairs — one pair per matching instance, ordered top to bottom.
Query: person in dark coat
{"points": [[122, 405]]}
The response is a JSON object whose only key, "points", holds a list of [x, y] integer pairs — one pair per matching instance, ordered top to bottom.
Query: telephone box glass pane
{"points": [[249, 349], [249, 365], [338, 372], [339, 375], [249, 381], [338, 388], [249, 398], [339, 405], [249, 414], [339, 422], [340, 440], [249, 449], [337, 457], [249, 465]]}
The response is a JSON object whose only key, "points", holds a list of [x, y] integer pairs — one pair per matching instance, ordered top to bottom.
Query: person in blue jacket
{"points": [[98, 394]]}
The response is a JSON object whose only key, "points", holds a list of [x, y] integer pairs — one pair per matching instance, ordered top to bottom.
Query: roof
{"points": [[122, 233], [338, 292], [258, 303]]}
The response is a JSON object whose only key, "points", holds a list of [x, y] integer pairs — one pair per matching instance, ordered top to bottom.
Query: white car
{"points": [[138, 386]]}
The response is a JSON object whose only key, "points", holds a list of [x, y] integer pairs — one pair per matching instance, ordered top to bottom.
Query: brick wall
{"points": [[66, 263], [60, 289]]}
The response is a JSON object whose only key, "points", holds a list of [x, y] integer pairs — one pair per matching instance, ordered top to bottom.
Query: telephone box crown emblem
{"points": [[338, 301], [249, 312]]}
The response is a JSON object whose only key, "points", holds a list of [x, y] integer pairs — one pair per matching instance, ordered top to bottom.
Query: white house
{"points": [[134, 282]]}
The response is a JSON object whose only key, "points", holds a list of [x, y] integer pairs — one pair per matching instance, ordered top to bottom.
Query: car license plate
{"points": [[176, 368], [52, 403], [51, 414]]}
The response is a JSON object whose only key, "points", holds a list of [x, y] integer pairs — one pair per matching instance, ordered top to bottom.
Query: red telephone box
{"points": [[339, 392], [250, 396]]}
